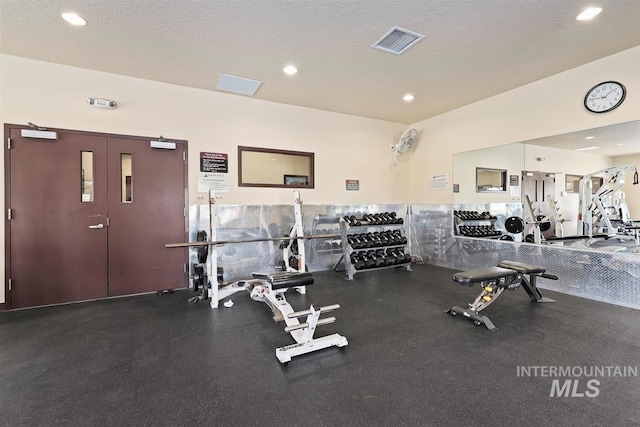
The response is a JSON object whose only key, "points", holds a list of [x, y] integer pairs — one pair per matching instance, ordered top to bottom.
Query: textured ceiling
{"points": [[473, 49]]}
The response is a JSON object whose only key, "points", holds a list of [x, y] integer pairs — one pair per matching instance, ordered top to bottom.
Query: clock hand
{"points": [[608, 93]]}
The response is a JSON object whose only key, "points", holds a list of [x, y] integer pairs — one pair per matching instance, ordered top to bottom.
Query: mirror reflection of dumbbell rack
{"points": [[475, 224], [325, 225], [432, 231], [373, 242], [469, 247]]}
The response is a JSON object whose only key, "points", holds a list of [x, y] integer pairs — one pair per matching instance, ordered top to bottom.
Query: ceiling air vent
{"points": [[397, 41], [239, 85]]}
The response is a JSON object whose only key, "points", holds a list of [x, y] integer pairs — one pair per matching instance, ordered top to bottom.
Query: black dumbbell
{"points": [[384, 239], [392, 239], [403, 239], [364, 241], [392, 255], [402, 257], [388, 259], [378, 261], [357, 262], [368, 262]]}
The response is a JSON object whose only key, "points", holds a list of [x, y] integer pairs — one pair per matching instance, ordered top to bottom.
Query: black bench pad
{"points": [[522, 268], [483, 274], [286, 279]]}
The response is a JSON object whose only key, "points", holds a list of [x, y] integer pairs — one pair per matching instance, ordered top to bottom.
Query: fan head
{"points": [[407, 141]]}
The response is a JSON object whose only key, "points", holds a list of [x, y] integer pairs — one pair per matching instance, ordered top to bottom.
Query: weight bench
{"points": [[507, 275], [271, 289]]}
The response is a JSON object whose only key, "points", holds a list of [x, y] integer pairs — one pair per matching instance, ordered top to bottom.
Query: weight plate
{"points": [[514, 225], [544, 226]]}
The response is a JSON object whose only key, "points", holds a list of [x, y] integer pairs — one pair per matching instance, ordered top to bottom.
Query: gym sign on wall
{"points": [[353, 184]]}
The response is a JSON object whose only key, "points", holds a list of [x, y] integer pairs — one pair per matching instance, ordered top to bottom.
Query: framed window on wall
{"points": [[267, 167], [491, 180], [572, 183]]}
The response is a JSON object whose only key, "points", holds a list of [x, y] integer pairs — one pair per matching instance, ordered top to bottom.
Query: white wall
{"points": [[54, 95], [547, 107], [345, 147], [509, 157]]}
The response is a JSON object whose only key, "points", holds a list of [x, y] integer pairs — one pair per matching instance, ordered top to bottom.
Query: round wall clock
{"points": [[604, 97]]}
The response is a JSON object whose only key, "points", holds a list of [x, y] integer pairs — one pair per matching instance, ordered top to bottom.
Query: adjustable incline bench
{"points": [[493, 281], [271, 289]]}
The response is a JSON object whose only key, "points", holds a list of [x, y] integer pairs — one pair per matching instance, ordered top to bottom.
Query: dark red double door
{"points": [[90, 215]]}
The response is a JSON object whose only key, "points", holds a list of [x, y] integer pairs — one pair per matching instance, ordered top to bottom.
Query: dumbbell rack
{"points": [[482, 219], [330, 225], [350, 269]]}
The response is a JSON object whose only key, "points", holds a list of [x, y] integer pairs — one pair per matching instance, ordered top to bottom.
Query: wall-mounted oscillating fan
{"points": [[405, 144]]}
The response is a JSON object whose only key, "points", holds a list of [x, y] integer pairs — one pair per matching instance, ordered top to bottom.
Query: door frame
{"points": [[7, 192]]}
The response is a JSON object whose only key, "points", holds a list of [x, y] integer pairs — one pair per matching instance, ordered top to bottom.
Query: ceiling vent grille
{"points": [[397, 41], [239, 85]]}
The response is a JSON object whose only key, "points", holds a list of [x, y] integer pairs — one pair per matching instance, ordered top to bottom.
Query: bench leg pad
{"points": [[475, 317]]}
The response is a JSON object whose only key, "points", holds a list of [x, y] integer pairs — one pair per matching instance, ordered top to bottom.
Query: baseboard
{"points": [[2, 307]]}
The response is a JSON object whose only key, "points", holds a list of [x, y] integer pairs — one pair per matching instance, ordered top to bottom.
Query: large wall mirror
{"points": [[553, 164], [265, 167]]}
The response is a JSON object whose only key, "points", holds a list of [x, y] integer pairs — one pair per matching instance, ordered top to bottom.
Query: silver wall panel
{"points": [[602, 276]]}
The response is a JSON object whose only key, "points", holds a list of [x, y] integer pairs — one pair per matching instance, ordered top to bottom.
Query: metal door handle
{"points": [[97, 226]]}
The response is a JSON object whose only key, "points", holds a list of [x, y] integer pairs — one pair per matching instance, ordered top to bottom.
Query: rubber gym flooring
{"points": [[157, 360]]}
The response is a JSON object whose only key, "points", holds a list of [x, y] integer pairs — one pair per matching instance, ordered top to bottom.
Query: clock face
{"points": [[605, 97]]}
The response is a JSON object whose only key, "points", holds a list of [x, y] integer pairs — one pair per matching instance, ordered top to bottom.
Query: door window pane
{"points": [[86, 176], [126, 178]]}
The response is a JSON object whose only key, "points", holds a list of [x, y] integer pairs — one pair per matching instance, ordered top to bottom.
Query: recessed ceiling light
{"points": [[589, 13], [74, 19], [290, 70], [408, 97], [589, 137], [619, 144], [586, 148]]}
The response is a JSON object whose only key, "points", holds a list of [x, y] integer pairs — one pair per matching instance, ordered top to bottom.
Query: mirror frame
{"points": [[309, 155]]}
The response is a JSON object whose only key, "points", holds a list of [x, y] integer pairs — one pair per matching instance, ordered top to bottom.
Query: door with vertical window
{"points": [[538, 186], [146, 193], [89, 216]]}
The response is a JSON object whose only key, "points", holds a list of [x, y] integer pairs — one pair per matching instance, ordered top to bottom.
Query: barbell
{"points": [[515, 224], [259, 239]]}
